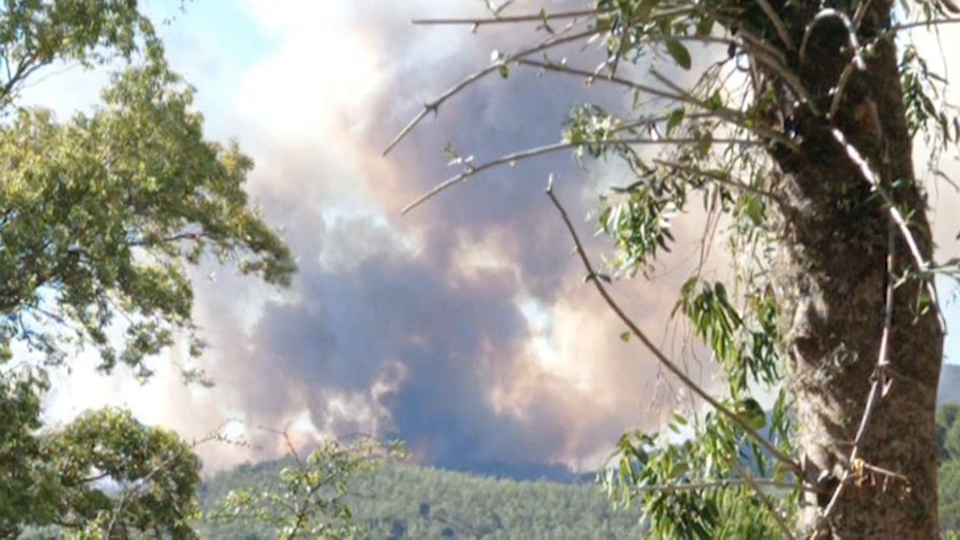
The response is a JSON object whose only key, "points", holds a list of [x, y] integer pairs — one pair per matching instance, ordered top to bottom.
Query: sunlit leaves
{"points": [[635, 27], [35, 33], [920, 89], [594, 131], [107, 209], [101, 215], [640, 224], [746, 348], [104, 475], [151, 475], [690, 487]]}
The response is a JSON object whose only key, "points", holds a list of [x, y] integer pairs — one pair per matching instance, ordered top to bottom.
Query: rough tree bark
{"points": [[836, 246]]}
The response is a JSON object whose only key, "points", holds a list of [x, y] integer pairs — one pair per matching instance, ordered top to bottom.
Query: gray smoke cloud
{"points": [[419, 326], [463, 328]]}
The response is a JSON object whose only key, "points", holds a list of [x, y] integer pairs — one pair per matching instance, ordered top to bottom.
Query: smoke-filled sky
{"points": [[464, 327]]}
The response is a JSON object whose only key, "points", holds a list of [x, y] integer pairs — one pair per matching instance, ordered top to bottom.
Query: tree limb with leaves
{"points": [[798, 130]]}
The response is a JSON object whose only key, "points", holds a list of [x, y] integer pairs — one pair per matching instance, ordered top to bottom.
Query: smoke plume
{"points": [[465, 327]]}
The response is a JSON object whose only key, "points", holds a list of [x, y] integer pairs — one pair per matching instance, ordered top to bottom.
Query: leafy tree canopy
{"points": [[101, 216]]}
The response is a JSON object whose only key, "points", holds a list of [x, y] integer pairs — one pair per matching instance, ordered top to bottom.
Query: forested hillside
{"points": [[948, 428], [404, 501]]}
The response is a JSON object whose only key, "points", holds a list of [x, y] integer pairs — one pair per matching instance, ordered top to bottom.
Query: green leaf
{"points": [[705, 26], [678, 51], [675, 119], [625, 336], [751, 411]]}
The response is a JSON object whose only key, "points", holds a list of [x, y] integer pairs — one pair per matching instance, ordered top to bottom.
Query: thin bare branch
{"points": [[530, 17], [777, 23], [927, 24], [852, 65], [591, 76], [839, 89], [434, 106], [730, 115], [734, 117], [522, 155], [871, 178], [721, 179], [195, 236], [664, 361], [880, 384], [721, 484], [771, 507]]}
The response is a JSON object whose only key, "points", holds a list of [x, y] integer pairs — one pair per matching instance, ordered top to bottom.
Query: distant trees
{"points": [[948, 429], [309, 498], [460, 506]]}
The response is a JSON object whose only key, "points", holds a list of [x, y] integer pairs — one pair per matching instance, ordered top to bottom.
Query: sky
{"points": [[463, 327]]}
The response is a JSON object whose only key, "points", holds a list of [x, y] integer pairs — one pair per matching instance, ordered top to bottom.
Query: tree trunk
{"points": [[836, 238]]}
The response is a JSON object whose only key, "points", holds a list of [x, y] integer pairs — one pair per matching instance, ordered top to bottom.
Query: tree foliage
{"points": [[792, 123], [101, 216], [949, 471], [106, 475], [311, 497], [417, 502]]}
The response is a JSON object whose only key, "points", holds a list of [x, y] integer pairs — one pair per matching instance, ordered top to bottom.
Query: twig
{"points": [[831, 13], [533, 17], [777, 23], [910, 26], [590, 75], [434, 106], [730, 115], [734, 117], [547, 149], [721, 179], [895, 215], [196, 236], [666, 362], [876, 392], [721, 484], [771, 507]]}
